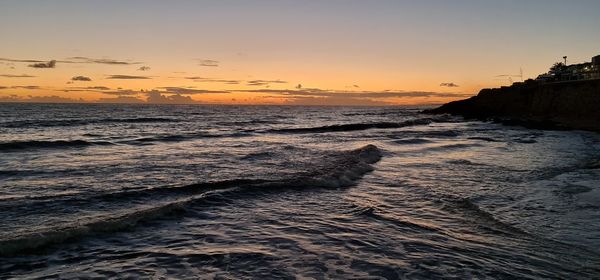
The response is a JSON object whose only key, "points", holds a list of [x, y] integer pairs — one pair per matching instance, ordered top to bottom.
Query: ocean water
{"points": [[273, 192]]}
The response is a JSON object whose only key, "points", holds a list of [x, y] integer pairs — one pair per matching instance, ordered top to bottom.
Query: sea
{"points": [[99, 191]]}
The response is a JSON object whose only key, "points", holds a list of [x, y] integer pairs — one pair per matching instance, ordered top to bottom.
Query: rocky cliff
{"points": [[567, 105]]}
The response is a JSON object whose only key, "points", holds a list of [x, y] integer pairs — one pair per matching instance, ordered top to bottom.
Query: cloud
{"points": [[77, 59], [83, 59], [21, 60], [208, 63], [49, 64], [144, 68], [16, 76], [128, 77], [81, 78], [209, 80], [264, 82], [449, 85], [19, 87], [25, 87], [98, 88], [91, 89], [104, 90], [182, 90], [120, 92], [131, 92], [355, 94], [155, 97], [10, 98], [40, 99], [121, 100], [339, 101]]}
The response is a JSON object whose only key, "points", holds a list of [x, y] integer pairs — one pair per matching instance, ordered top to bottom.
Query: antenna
{"points": [[521, 73], [511, 76]]}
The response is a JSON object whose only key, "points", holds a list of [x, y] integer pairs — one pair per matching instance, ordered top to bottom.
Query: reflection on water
{"points": [[280, 192]]}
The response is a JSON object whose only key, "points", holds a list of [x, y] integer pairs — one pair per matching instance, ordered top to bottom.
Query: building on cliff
{"points": [[560, 72]]}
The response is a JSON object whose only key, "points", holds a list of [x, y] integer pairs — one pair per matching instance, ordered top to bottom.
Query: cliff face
{"points": [[571, 105]]}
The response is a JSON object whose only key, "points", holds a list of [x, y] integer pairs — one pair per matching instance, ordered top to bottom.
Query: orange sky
{"points": [[259, 52]]}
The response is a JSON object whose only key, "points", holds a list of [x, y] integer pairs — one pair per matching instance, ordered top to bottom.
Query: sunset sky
{"points": [[338, 52]]}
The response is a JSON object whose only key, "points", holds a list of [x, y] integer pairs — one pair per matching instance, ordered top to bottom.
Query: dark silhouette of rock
{"points": [[561, 105]]}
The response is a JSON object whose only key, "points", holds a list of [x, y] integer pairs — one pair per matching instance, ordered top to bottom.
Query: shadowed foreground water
{"points": [[284, 192]]}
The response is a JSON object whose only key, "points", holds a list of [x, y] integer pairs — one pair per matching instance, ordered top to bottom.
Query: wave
{"points": [[78, 122], [355, 126], [181, 137], [486, 139], [412, 141], [524, 141], [42, 144], [62, 144], [452, 147], [462, 162], [342, 170], [375, 213], [482, 217], [105, 224]]}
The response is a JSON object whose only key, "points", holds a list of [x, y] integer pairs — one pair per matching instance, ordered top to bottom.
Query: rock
{"points": [[562, 105]]}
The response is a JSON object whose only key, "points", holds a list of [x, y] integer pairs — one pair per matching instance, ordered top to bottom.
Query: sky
{"points": [[328, 52]]}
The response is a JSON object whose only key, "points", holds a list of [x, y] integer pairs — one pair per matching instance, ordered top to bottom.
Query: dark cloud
{"points": [[77, 59], [83, 59], [21, 60], [208, 62], [49, 64], [144, 68], [16, 76], [128, 77], [81, 78], [209, 80], [264, 82], [449, 85], [20, 87], [25, 87], [98, 88], [91, 89], [104, 90], [182, 90], [120, 92], [131, 92]]}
